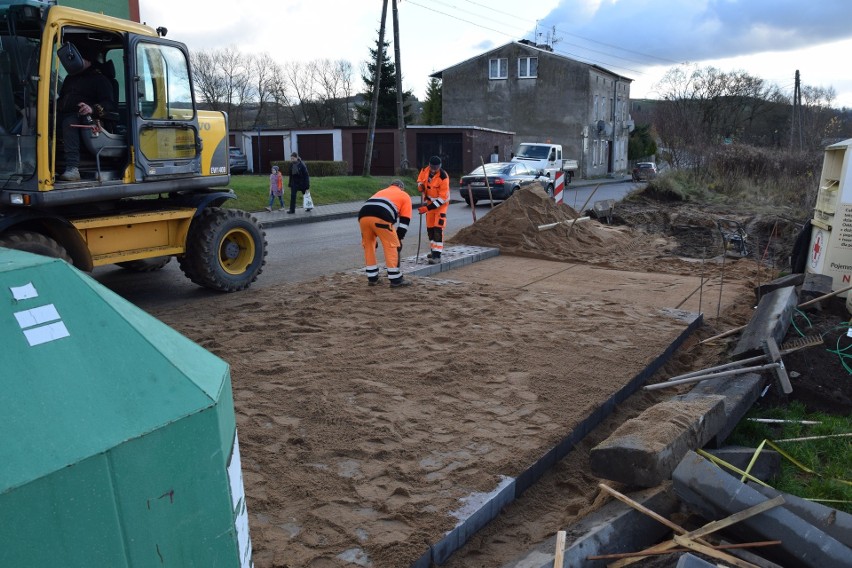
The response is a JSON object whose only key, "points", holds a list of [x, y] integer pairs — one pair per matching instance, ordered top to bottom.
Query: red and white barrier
{"points": [[558, 187]]}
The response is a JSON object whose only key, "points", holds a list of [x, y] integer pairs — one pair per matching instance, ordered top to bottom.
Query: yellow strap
{"points": [[735, 469]]}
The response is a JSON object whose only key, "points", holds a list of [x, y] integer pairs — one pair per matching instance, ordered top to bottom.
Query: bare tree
{"points": [[264, 70], [209, 83], [300, 85], [333, 88], [819, 122]]}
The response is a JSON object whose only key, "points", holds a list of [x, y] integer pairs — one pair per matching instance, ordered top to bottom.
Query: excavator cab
{"points": [[152, 166]]}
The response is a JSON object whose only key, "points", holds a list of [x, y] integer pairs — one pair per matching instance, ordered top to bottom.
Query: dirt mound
{"points": [[513, 226], [654, 244]]}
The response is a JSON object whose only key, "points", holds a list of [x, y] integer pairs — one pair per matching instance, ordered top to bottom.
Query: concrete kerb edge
{"points": [[441, 551]]}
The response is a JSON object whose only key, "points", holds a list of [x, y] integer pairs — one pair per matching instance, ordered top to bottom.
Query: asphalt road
{"points": [[306, 251]]}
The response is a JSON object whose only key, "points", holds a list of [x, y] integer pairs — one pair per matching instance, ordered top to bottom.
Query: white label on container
{"points": [[24, 292], [36, 316], [45, 333], [238, 501]]}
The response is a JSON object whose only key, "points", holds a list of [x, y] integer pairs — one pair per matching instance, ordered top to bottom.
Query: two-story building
{"points": [[544, 97]]}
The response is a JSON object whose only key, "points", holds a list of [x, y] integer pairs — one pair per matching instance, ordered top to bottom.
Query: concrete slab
{"points": [[771, 319], [739, 394], [645, 450], [768, 463], [715, 495], [835, 523], [691, 561]]}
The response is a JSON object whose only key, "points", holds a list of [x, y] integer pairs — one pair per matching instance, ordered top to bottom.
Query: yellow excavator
{"points": [[149, 182]]}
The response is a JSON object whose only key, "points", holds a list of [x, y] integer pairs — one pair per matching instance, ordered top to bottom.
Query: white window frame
{"points": [[502, 68], [525, 68]]}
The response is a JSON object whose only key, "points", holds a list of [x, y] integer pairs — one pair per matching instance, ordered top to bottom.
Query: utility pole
{"points": [[400, 100], [374, 107], [796, 120]]}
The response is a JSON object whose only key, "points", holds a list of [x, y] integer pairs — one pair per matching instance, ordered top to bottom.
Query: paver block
{"points": [[645, 450]]}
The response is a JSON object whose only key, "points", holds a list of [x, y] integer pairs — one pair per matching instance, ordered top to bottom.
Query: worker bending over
{"points": [[434, 186], [377, 218]]}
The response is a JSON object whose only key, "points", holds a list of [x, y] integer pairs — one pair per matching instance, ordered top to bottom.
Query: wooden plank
{"points": [[709, 528], [709, 551], [559, 556]]}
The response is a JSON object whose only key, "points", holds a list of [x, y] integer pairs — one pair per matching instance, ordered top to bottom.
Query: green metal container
{"points": [[118, 441]]}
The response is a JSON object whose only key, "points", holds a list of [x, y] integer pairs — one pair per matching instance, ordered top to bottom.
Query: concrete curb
{"points": [[714, 494]]}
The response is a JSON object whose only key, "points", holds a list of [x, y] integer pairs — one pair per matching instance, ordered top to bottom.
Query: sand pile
{"points": [[513, 227]]}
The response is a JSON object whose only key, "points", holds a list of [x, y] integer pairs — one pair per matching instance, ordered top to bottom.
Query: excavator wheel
{"points": [[36, 243], [225, 250], [145, 264]]}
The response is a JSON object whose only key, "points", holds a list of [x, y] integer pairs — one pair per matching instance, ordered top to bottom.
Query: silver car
{"points": [[237, 160]]}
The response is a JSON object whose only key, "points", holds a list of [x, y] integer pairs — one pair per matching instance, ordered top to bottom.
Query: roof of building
{"points": [[532, 46]]}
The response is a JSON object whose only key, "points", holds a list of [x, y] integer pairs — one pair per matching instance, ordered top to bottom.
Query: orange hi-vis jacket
{"points": [[435, 188], [391, 204]]}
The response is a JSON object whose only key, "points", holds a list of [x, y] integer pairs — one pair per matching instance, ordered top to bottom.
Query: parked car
{"points": [[237, 160], [644, 171], [504, 178]]}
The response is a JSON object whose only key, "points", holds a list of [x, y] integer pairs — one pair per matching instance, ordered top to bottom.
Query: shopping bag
{"points": [[307, 201]]}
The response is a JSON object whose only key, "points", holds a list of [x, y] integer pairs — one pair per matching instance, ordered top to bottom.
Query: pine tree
{"points": [[432, 106], [386, 111]]}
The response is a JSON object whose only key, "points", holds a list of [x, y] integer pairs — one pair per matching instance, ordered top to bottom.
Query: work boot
{"points": [[70, 174], [435, 258], [372, 281], [399, 283]]}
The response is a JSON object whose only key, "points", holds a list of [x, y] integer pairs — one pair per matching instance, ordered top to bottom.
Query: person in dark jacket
{"points": [[83, 98], [299, 180]]}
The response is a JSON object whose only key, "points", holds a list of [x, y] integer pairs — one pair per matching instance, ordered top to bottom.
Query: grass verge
{"points": [[253, 190], [830, 459]]}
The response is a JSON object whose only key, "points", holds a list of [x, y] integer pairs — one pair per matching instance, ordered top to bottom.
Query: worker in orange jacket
{"points": [[434, 186], [377, 218]]}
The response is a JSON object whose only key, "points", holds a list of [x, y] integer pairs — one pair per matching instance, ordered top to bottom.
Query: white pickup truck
{"points": [[546, 158]]}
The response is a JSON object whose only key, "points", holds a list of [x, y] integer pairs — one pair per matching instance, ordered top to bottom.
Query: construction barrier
{"points": [[559, 187]]}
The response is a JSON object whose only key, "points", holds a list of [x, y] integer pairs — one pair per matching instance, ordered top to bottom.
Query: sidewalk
{"points": [[347, 209]]}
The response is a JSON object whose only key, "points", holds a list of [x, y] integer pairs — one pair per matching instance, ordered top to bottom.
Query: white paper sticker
{"points": [[24, 292], [36, 316], [43, 334], [238, 500]]}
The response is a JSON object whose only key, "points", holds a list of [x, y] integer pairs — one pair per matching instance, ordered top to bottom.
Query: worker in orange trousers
{"points": [[433, 182], [377, 217]]}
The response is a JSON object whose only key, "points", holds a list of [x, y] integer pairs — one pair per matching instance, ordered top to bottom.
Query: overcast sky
{"points": [[638, 39]]}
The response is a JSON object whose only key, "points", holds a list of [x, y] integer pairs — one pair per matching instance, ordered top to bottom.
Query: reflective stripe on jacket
{"points": [[391, 204]]}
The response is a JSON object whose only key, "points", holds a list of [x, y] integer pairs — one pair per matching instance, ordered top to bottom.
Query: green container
{"points": [[118, 441]]}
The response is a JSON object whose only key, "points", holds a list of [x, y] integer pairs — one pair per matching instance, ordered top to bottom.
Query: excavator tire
{"points": [[36, 243], [225, 250], [145, 264]]}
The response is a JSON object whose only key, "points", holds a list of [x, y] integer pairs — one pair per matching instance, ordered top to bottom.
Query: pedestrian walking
{"points": [[299, 180], [433, 182], [276, 188], [377, 217]]}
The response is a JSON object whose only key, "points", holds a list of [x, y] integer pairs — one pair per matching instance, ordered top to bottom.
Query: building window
{"points": [[527, 67], [498, 68]]}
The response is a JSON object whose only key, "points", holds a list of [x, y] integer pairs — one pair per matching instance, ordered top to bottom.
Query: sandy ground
{"points": [[367, 416]]}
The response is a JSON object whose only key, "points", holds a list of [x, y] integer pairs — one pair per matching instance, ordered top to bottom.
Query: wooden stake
{"points": [[487, 185], [706, 529], [559, 556]]}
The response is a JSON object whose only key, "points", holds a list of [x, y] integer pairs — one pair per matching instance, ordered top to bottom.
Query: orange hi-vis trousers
{"points": [[436, 221], [371, 229]]}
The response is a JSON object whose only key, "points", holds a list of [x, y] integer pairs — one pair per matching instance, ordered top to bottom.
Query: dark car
{"points": [[237, 160], [644, 171], [504, 178]]}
